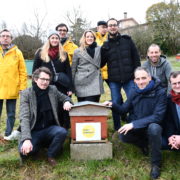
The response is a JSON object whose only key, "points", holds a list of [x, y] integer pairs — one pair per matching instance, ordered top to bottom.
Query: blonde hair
{"points": [[82, 41], [44, 52]]}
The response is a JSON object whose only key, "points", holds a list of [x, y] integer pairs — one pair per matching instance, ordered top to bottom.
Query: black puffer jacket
{"points": [[122, 58]]}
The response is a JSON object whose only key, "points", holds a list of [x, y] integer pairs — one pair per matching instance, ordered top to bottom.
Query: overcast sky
{"points": [[14, 13]]}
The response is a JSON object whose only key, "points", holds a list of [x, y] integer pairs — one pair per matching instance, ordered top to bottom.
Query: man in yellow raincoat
{"points": [[101, 37], [67, 43], [13, 77]]}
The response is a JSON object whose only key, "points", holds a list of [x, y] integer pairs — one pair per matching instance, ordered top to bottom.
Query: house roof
{"points": [[128, 19]]}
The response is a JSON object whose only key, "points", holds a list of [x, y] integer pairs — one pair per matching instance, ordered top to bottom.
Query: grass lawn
{"points": [[128, 163]]}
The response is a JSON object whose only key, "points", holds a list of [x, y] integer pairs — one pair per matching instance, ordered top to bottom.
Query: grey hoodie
{"points": [[162, 70]]}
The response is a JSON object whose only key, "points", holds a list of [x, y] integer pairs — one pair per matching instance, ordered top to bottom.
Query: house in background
{"points": [[127, 22], [128, 25]]}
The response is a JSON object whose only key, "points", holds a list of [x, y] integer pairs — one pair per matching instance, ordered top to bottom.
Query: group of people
{"points": [[61, 68]]}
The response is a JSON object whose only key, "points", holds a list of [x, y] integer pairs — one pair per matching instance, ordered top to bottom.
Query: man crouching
{"points": [[146, 107], [38, 116]]}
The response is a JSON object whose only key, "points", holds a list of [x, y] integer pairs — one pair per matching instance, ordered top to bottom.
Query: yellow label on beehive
{"points": [[88, 131]]}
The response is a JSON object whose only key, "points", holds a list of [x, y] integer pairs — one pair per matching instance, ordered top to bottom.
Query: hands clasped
{"points": [[174, 141]]}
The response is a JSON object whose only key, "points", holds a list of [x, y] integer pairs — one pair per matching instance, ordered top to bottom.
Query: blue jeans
{"points": [[116, 96], [10, 110], [150, 136], [52, 137]]}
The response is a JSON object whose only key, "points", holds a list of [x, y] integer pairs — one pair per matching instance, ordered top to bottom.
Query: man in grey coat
{"points": [[158, 65], [38, 116]]}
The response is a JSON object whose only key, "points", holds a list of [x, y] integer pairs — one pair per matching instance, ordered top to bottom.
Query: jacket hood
{"points": [[99, 35], [11, 46], [162, 60], [157, 82]]}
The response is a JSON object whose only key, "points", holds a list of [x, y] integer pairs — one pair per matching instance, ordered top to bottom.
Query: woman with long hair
{"points": [[52, 56], [85, 67]]}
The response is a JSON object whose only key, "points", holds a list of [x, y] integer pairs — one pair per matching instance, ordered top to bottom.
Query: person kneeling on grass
{"points": [[146, 107], [38, 116], [171, 123]]}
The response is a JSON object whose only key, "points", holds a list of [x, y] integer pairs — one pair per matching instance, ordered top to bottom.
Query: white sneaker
{"points": [[14, 136]]}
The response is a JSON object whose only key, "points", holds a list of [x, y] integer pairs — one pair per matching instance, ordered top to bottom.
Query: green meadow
{"points": [[128, 162]]}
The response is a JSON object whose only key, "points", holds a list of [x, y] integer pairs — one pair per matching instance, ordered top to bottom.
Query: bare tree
{"points": [[77, 23], [3, 25], [35, 29], [31, 36]]}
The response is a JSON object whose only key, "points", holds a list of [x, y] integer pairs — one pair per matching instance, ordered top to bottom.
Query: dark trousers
{"points": [[116, 96], [89, 98], [11, 110], [63, 116], [150, 136], [52, 137], [165, 145]]}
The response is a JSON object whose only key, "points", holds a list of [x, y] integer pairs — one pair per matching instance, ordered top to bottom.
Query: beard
{"points": [[113, 34]]}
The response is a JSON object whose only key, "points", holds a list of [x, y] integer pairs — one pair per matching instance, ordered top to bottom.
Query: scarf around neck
{"points": [[91, 49], [53, 52], [148, 88], [175, 97], [45, 116]]}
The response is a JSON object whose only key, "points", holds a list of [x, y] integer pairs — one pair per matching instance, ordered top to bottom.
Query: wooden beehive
{"points": [[89, 112]]}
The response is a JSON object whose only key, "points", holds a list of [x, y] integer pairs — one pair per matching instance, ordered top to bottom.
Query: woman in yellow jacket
{"points": [[13, 77]]}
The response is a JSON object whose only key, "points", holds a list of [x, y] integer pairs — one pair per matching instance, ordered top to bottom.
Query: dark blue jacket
{"points": [[144, 108], [171, 124]]}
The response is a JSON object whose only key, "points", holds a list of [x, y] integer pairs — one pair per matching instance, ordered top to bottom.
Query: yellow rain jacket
{"points": [[100, 40], [69, 48], [13, 74]]}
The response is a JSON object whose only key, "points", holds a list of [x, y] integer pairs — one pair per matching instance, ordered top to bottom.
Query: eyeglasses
{"points": [[112, 25], [62, 30], [5, 36], [44, 79], [175, 84]]}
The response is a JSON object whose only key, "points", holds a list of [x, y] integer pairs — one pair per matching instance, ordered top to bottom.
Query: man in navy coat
{"points": [[146, 107], [171, 124]]}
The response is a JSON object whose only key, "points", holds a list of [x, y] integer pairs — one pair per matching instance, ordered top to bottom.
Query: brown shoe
{"points": [[52, 161]]}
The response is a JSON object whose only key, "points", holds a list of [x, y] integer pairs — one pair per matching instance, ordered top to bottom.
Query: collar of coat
{"points": [[87, 57]]}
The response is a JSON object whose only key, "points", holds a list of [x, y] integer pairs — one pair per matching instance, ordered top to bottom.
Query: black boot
{"points": [[155, 172]]}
